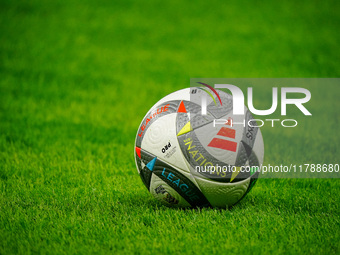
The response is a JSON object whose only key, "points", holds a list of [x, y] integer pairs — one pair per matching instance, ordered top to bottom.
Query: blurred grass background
{"points": [[77, 77]]}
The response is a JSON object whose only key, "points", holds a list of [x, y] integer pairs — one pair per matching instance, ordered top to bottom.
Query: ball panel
{"points": [[218, 110], [156, 112], [250, 132], [210, 136], [160, 139], [258, 147], [198, 157], [143, 159], [181, 182], [222, 194]]}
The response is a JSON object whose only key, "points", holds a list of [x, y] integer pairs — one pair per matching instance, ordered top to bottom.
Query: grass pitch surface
{"points": [[77, 77]]}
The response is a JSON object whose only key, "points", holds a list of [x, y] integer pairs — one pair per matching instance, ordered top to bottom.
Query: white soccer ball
{"points": [[176, 147]]}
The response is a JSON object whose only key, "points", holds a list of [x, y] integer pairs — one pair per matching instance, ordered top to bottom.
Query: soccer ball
{"points": [[189, 159]]}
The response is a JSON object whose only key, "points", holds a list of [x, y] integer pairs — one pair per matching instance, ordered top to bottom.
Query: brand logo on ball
{"points": [[222, 143]]}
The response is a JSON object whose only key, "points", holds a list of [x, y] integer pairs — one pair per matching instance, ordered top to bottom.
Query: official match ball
{"points": [[192, 157]]}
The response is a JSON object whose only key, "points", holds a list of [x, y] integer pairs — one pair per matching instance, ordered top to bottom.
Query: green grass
{"points": [[77, 77]]}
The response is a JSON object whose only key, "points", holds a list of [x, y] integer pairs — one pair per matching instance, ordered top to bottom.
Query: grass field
{"points": [[77, 77]]}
